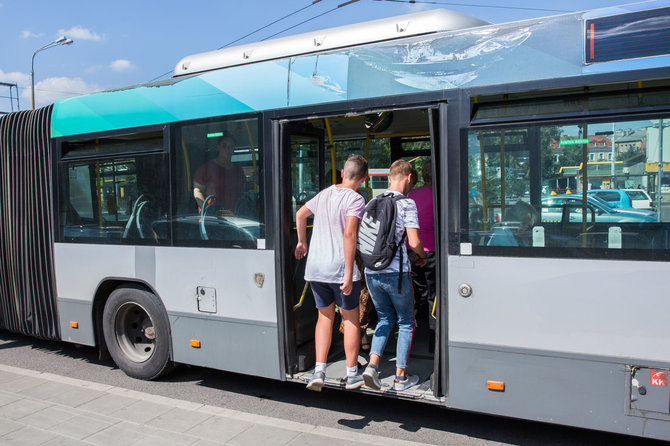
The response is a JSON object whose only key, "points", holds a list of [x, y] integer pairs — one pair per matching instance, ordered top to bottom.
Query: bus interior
{"points": [[311, 147]]}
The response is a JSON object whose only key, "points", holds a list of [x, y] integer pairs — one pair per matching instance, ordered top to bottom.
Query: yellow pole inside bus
{"points": [[332, 149]]}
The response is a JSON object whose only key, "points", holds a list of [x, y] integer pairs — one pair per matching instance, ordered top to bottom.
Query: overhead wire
{"points": [[341, 5], [270, 24]]}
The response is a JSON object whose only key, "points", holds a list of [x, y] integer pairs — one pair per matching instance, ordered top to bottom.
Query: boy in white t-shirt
{"points": [[331, 268]]}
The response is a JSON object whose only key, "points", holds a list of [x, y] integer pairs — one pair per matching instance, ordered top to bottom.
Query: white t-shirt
{"points": [[406, 217], [325, 258]]}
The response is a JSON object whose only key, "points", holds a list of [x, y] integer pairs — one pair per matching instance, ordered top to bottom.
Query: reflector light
{"points": [[74, 324], [195, 343], [495, 385]]}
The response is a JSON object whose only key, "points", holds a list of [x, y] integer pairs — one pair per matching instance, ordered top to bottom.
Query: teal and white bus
{"points": [[560, 320]]}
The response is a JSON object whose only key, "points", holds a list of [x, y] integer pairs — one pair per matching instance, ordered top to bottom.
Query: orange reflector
{"points": [[74, 324], [195, 343], [495, 385]]}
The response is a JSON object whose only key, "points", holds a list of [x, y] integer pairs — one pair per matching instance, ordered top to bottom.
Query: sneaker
{"points": [[371, 378], [411, 380], [353, 382], [316, 383]]}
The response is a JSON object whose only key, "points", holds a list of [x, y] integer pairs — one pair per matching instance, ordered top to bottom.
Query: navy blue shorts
{"points": [[327, 293]]}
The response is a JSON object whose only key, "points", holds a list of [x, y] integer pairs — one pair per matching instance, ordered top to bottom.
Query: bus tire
{"points": [[137, 332]]}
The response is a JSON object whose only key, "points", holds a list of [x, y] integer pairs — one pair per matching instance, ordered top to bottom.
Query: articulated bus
{"points": [[550, 304]]}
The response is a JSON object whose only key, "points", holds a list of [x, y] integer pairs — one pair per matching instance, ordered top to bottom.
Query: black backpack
{"points": [[377, 244]]}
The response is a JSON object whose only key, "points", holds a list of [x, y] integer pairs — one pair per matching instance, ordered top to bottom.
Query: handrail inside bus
{"points": [[331, 144], [302, 297]]}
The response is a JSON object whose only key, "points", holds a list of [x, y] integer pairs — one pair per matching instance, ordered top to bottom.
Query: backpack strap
{"points": [[396, 198], [402, 240]]}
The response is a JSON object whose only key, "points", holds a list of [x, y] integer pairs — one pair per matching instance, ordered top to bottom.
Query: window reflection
{"points": [[593, 185], [218, 190], [116, 201]]}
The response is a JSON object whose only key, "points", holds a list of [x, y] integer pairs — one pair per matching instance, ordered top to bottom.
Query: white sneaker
{"points": [[371, 378], [316, 383], [399, 386]]}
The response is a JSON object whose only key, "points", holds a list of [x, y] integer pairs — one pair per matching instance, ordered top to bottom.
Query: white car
{"points": [[639, 199]]}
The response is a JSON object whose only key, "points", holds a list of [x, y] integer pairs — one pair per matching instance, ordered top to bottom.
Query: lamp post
{"points": [[60, 41]]}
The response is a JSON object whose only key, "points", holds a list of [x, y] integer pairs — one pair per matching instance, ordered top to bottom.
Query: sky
{"points": [[124, 42]]}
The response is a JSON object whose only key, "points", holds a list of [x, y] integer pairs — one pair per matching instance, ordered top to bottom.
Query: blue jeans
{"points": [[392, 307]]}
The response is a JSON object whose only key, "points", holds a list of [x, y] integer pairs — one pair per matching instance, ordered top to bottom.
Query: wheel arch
{"points": [[102, 293]]}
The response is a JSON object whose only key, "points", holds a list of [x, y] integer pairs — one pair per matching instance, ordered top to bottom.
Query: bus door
{"points": [[301, 178]]}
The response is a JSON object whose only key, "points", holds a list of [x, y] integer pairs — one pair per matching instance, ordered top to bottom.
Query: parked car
{"points": [[624, 198], [640, 199], [553, 208]]}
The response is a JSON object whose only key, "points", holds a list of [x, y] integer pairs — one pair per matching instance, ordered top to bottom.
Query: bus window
{"points": [[549, 186], [218, 194], [116, 200]]}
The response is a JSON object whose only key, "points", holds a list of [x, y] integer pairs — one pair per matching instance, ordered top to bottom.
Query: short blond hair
{"points": [[356, 167], [401, 168]]}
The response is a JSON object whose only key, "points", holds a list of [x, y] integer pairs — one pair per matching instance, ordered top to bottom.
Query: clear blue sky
{"points": [[123, 42]]}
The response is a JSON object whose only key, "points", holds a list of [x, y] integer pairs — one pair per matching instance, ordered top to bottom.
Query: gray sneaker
{"points": [[371, 378], [353, 382], [316, 383], [399, 386]]}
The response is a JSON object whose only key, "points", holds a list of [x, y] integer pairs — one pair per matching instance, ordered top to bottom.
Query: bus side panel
{"points": [[79, 270], [237, 313], [235, 320], [560, 333], [541, 387]]}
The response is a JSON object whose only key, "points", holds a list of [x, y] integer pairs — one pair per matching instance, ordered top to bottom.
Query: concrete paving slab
{"points": [[7, 377], [19, 384], [46, 389], [75, 396], [6, 398], [106, 404], [21, 408], [140, 411], [85, 413], [47, 417], [178, 420], [7, 426], [80, 427], [219, 429], [122, 434], [265, 435], [27, 436], [305, 439], [160, 440], [64, 441]]}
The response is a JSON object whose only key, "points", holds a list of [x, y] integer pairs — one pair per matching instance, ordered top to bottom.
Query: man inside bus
{"points": [[219, 178], [331, 267]]}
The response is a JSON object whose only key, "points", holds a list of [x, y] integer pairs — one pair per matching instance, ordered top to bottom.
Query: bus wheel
{"points": [[136, 329]]}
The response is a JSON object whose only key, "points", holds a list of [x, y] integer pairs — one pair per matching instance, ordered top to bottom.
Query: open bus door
{"points": [[413, 134], [301, 178]]}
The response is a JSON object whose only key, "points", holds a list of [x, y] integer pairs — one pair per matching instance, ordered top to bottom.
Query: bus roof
{"points": [[421, 23], [538, 49]]}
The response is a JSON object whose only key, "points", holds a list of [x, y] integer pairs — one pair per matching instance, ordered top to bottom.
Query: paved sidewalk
{"points": [[45, 409]]}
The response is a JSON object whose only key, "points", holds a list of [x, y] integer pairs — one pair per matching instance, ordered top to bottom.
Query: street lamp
{"points": [[60, 41]]}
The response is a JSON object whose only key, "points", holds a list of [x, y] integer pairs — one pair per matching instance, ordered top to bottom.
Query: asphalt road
{"points": [[290, 401]]}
